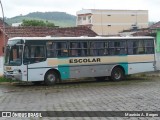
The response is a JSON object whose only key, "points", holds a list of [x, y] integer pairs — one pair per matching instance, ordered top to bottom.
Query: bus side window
{"points": [[51, 46], [132, 46], [149, 46], [141, 47], [117, 48], [57, 49], [61, 49], [73, 49], [78, 49], [83, 49], [98, 49], [93, 51], [39, 53], [34, 54], [26, 55]]}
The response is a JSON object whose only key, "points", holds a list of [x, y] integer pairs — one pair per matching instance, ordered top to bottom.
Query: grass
{"points": [[2, 79]]}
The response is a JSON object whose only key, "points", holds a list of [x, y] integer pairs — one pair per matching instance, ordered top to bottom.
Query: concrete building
{"points": [[111, 22], [16, 24]]}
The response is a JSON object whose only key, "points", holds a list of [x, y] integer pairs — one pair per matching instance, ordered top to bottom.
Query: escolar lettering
{"points": [[89, 60]]}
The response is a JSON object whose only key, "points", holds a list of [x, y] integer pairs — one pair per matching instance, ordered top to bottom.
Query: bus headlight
{"points": [[16, 71]]}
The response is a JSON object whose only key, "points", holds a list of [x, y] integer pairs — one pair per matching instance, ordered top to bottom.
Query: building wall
{"points": [[108, 22], [1, 43], [1, 53], [1, 65]]}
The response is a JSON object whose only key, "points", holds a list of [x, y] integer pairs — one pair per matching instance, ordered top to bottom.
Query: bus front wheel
{"points": [[117, 74], [50, 78]]}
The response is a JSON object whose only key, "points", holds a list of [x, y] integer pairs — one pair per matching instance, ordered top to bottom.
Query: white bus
{"points": [[54, 59]]}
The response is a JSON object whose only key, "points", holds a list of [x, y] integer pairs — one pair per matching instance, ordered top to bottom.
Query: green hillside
{"points": [[60, 19]]}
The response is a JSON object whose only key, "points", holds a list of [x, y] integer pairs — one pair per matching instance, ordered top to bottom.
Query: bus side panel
{"points": [[140, 63], [61, 65], [125, 67], [140, 67], [95, 70], [64, 71], [90, 71]]}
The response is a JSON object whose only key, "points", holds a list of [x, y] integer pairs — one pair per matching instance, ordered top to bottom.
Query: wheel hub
{"points": [[117, 75], [51, 78]]}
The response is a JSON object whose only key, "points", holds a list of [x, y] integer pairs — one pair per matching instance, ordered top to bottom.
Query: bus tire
{"points": [[117, 74], [50, 78]]}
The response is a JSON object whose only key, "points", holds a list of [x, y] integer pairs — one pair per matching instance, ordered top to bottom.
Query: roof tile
{"points": [[46, 31]]}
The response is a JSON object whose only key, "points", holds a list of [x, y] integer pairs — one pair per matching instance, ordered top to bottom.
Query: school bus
{"points": [[54, 59]]}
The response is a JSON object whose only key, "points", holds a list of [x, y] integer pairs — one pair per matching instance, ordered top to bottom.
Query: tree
{"points": [[37, 23]]}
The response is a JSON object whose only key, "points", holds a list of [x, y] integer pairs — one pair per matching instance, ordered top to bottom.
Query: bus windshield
{"points": [[13, 55]]}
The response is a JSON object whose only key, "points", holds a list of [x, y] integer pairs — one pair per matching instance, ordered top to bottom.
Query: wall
{"points": [[110, 22], [158, 41], [1, 44], [1, 53], [1, 66]]}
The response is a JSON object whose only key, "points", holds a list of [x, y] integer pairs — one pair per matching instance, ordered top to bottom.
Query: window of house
{"points": [[79, 18], [84, 18], [89, 19]]}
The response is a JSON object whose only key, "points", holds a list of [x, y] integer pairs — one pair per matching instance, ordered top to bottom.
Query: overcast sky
{"points": [[14, 8]]}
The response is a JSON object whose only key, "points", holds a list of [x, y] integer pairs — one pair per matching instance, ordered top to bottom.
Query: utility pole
{"points": [[4, 33]]}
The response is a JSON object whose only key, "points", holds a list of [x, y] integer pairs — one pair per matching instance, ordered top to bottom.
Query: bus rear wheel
{"points": [[117, 74], [50, 78]]}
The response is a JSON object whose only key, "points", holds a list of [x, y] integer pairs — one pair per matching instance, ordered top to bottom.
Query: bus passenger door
{"points": [[34, 57]]}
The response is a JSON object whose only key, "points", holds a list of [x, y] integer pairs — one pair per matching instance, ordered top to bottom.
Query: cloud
{"points": [[16, 7]]}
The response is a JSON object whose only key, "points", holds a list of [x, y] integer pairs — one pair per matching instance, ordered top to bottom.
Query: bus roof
{"points": [[81, 38]]}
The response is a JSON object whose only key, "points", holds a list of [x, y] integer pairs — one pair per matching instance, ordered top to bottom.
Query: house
{"points": [[111, 22], [16, 24], [155, 26], [156, 29], [150, 31]]}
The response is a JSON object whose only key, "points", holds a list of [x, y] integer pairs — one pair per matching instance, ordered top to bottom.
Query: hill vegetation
{"points": [[60, 19], [37, 23]]}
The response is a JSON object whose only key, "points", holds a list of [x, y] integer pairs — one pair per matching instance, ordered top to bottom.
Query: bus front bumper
{"points": [[13, 76]]}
